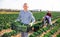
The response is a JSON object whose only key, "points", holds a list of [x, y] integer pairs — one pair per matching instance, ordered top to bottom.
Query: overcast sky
{"points": [[33, 4]]}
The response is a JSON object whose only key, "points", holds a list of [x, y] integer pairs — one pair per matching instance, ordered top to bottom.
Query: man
{"points": [[26, 18], [47, 18]]}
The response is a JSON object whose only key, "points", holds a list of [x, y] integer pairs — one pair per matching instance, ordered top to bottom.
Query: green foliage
{"points": [[58, 21], [1, 27], [18, 27], [45, 29], [35, 33], [9, 34], [6, 35], [32, 35], [47, 35], [58, 35]]}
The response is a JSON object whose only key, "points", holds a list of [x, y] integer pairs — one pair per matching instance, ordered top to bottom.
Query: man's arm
{"points": [[32, 19]]}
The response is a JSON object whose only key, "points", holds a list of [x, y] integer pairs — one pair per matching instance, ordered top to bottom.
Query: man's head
{"points": [[25, 7]]}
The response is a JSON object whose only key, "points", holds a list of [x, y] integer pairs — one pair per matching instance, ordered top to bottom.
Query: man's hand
{"points": [[16, 20], [31, 24]]}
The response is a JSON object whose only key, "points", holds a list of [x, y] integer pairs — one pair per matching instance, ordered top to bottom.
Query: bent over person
{"points": [[26, 18], [47, 18]]}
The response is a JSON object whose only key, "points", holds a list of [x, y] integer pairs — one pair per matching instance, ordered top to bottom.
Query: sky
{"points": [[52, 5]]}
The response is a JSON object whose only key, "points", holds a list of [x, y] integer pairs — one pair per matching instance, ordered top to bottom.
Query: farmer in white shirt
{"points": [[26, 18]]}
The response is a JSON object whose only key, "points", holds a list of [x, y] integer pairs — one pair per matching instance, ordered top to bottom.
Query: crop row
{"points": [[55, 29], [39, 32]]}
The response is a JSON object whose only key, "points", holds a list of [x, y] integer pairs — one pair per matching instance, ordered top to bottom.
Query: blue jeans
{"points": [[24, 34]]}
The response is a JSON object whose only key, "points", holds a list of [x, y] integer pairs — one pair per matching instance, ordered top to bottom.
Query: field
{"points": [[6, 18]]}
